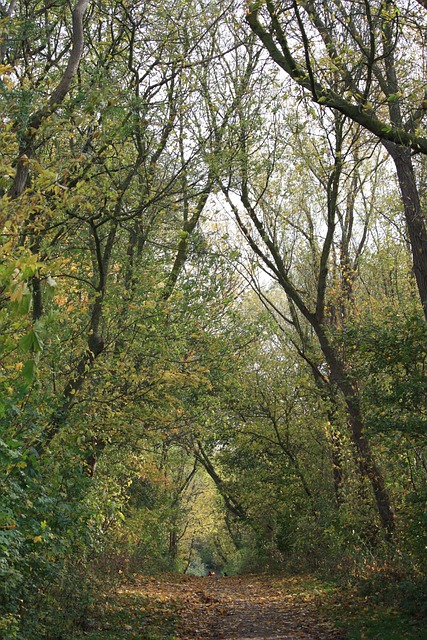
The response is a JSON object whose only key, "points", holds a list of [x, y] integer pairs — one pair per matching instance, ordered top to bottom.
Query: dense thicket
{"points": [[212, 309]]}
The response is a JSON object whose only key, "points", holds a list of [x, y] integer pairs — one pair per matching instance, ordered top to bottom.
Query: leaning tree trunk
{"points": [[414, 217], [357, 432]]}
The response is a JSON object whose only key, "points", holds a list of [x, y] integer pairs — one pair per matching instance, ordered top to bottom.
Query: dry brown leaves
{"points": [[242, 608]]}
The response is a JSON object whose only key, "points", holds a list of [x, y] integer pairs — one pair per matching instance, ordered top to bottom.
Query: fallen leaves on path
{"points": [[256, 607], [229, 608]]}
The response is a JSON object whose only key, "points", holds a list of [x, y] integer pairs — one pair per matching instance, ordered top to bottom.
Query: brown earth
{"points": [[243, 608]]}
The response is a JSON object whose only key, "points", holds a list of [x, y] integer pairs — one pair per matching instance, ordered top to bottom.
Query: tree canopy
{"points": [[213, 294]]}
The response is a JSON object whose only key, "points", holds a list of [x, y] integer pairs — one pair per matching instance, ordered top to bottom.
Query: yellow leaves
{"points": [[5, 68], [5, 74], [46, 178], [8, 246], [25, 266], [18, 272], [19, 291], [148, 304], [170, 376], [174, 378]]}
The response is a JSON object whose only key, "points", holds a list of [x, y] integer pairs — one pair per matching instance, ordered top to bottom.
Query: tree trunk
{"points": [[28, 143], [415, 221], [357, 428], [337, 467], [173, 544]]}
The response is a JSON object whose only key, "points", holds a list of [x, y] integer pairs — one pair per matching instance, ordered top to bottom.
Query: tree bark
{"points": [[276, 43], [26, 149], [414, 217], [335, 364], [357, 430], [230, 501]]}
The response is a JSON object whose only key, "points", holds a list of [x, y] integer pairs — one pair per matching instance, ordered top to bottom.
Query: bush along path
{"points": [[213, 608]]}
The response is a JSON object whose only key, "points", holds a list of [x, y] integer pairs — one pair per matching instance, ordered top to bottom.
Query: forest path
{"points": [[243, 608]]}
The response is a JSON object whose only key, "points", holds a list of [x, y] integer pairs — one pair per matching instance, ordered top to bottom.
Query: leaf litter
{"points": [[215, 608]]}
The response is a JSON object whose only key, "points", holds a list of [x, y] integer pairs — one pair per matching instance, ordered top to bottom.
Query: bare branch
{"points": [[57, 96]]}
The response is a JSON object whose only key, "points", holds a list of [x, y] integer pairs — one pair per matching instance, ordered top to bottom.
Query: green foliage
{"points": [[389, 356], [153, 415], [363, 613]]}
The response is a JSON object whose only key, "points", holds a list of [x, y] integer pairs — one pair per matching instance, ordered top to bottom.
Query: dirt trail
{"points": [[245, 608]]}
